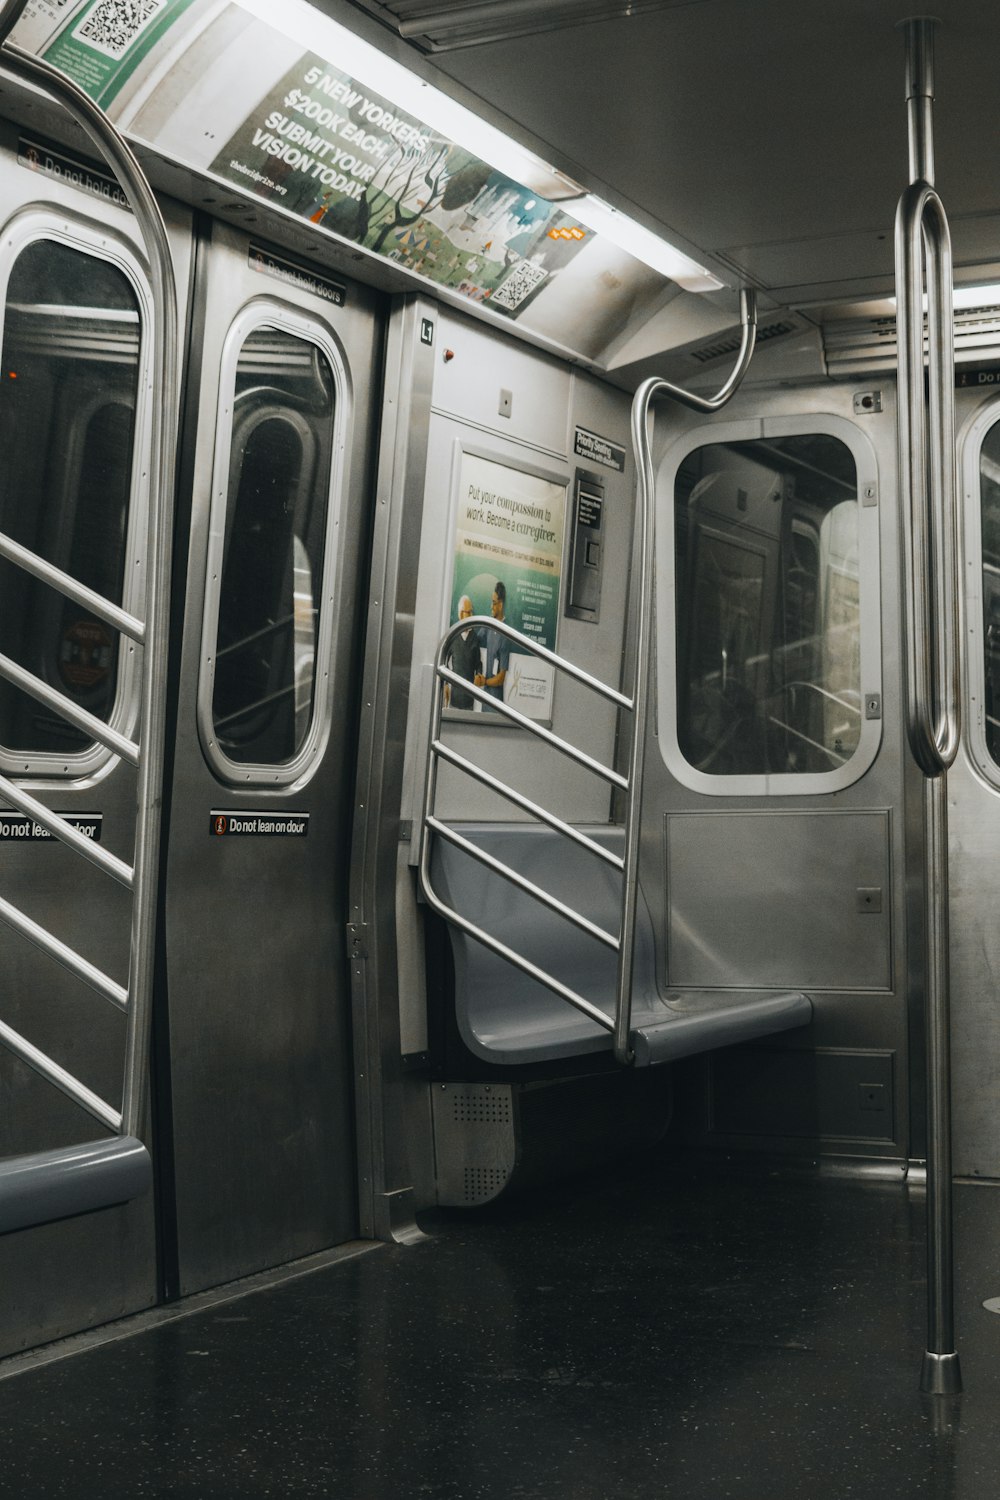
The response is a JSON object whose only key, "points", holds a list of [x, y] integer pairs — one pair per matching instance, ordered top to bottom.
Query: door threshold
{"points": [[155, 1317]]}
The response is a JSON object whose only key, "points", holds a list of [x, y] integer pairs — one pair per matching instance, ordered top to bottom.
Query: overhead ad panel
{"points": [[181, 76], [334, 152]]}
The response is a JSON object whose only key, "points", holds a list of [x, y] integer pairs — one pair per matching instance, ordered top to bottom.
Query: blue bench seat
{"points": [[505, 1016]]}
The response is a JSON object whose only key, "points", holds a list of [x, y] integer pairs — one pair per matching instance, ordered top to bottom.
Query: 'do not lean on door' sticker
{"points": [[241, 823], [17, 827]]}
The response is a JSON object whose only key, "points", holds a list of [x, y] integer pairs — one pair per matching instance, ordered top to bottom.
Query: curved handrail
{"points": [[113, 147], [927, 479], [640, 615]]}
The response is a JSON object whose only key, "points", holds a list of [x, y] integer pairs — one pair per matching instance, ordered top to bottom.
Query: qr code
{"points": [[113, 25], [518, 286]]}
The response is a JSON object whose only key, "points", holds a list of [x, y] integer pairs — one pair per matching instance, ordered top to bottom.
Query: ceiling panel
{"points": [[774, 132]]}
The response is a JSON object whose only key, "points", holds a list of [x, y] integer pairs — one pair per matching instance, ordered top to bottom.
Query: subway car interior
{"points": [[500, 674]]}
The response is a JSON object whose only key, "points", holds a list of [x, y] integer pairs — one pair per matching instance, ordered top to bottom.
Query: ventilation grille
{"points": [[446, 25], [730, 344], [858, 344], [481, 1108], [474, 1141], [483, 1183]]}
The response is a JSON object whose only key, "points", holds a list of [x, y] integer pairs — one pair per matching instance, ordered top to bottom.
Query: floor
{"points": [[678, 1331]]}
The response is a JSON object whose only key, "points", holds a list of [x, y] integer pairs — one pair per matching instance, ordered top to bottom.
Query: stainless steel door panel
{"points": [[815, 915], [257, 988]]}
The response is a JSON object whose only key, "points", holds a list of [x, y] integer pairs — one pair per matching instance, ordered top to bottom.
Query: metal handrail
{"points": [[654, 389], [927, 478], [928, 506], [71, 588], [640, 614], [152, 634], [521, 720], [88, 723], [438, 751], [832, 755], [462, 763], [62, 829], [528, 886], [65, 955], [59, 1077]]}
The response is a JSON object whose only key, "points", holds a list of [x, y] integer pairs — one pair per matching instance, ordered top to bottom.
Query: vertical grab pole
{"points": [[928, 526]]}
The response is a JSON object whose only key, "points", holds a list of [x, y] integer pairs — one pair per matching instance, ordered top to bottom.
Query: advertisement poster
{"points": [[100, 43], [300, 133], [338, 154], [509, 532]]}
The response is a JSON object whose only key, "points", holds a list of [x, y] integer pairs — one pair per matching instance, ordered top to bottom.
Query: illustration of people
{"points": [[497, 648], [465, 659]]}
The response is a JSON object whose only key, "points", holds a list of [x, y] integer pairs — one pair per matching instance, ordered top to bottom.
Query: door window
{"points": [[68, 394], [271, 558]]}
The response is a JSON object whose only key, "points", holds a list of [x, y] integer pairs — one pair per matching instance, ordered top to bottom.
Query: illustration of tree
{"points": [[429, 168], [410, 183]]}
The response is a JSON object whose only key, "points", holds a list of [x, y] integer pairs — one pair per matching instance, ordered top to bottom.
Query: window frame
{"points": [[33, 225], [282, 317], [974, 678], [785, 783]]}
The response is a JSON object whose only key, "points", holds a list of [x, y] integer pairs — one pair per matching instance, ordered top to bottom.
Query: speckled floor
{"points": [[686, 1333]]}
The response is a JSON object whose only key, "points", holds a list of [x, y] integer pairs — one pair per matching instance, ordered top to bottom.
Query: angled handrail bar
{"points": [[65, 584], [537, 649], [497, 705], [505, 711], [88, 723], [437, 751], [461, 763], [60, 828], [523, 884], [109, 988], [579, 1002], [54, 1074]]}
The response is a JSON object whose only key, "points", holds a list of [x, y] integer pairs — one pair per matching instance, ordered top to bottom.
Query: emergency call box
{"points": [[586, 566]]}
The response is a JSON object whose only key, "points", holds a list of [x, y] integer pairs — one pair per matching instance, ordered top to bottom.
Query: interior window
{"points": [[68, 386], [275, 536], [768, 665]]}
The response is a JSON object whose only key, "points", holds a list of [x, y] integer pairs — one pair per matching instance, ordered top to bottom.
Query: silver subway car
{"points": [[484, 688]]}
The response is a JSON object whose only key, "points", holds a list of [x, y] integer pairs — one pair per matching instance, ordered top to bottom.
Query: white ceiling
{"points": [[767, 135]]}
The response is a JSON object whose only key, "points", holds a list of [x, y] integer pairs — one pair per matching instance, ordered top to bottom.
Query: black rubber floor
{"points": [[694, 1333]]}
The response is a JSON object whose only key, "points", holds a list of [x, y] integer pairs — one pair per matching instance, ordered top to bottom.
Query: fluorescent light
{"points": [[340, 47], [636, 240], [966, 296], [976, 296]]}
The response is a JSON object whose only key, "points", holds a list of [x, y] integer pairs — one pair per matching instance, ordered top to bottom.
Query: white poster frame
{"points": [[525, 669]]}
